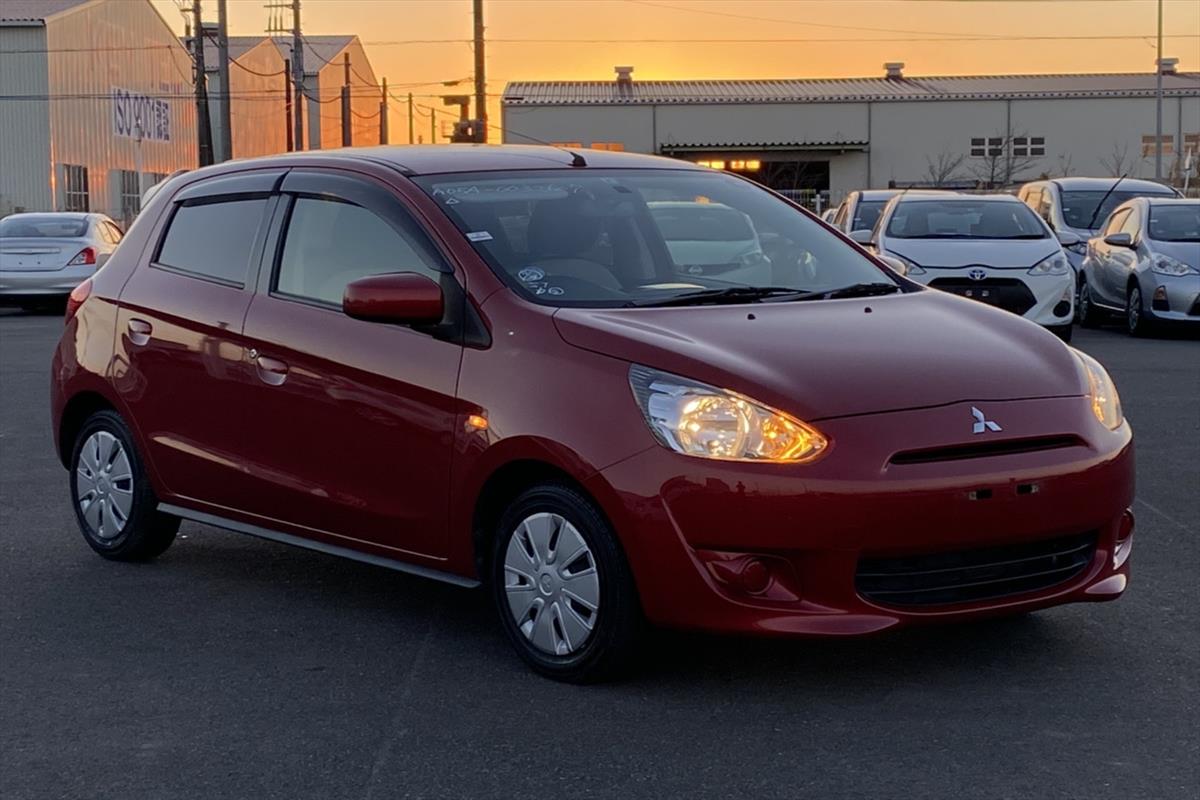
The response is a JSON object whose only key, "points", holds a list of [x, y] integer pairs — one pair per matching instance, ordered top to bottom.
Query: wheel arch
{"points": [[76, 412]]}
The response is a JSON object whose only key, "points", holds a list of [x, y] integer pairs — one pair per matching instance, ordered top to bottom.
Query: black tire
{"points": [[1086, 312], [1135, 312], [1061, 331], [146, 532], [613, 640]]}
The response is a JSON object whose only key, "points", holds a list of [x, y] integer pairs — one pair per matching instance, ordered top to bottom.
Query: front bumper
{"points": [[45, 283], [1172, 298], [1047, 300], [777, 550]]}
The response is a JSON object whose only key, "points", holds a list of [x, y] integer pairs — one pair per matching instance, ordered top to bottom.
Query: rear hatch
{"points": [[37, 254]]}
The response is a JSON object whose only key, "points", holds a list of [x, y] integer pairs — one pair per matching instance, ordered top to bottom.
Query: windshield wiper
{"points": [[853, 290], [732, 294]]}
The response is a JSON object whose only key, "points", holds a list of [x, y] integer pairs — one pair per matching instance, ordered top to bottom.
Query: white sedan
{"points": [[990, 248], [44, 256]]}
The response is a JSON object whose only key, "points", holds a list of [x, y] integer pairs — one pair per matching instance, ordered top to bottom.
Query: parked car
{"points": [[1080, 205], [861, 209], [711, 239], [990, 248], [44, 256], [1145, 265], [481, 365]]}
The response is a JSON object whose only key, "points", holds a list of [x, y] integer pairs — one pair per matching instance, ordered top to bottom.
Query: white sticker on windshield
{"points": [[479, 236], [531, 275]]}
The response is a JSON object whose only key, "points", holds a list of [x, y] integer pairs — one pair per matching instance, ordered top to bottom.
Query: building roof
{"points": [[35, 11], [318, 50], [835, 90]]}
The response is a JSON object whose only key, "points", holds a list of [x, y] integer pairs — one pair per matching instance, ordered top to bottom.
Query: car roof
{"points": [[451, 158], [1104, 184], [878, 194], [956, 197], [1172, 201], [74, 215]]}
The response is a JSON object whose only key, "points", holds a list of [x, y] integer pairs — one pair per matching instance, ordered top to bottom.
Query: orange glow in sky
{"points": [[761, 38]]}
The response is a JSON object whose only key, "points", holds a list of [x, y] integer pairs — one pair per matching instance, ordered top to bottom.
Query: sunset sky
{"points": [[774, 38]]}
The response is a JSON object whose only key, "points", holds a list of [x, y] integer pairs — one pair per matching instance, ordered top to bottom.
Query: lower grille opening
{"points": [[1011, 294], [1002, 447], [972, 575]]}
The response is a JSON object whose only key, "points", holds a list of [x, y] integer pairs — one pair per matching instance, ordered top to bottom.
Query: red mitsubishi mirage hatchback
{"points": [[615, 389]]}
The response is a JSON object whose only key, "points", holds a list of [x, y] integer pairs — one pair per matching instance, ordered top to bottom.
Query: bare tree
{"points": [[1118, 162], [1001, 165], [1065, 166], [942, 169]]}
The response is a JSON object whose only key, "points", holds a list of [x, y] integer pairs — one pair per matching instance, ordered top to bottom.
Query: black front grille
{"points": [[1010, 294], [1004, 447], [970, 576]]}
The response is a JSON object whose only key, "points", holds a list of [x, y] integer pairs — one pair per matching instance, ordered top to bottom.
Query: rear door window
{"points": [[213, 239]]}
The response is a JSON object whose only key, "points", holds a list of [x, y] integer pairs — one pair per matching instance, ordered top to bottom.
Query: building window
{"points": [[568, 145], [1029, 145], [1168, 145], [614, 146], [991, 146], [75, 188], [131, 196]]}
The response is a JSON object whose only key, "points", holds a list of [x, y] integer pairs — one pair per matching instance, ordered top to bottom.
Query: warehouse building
{"points": [[260, 104], [95, 105], [831, 136]]}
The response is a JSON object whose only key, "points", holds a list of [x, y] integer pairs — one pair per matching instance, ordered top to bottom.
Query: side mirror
{"points": [[862, 236], [1068, 238], [1119, 240], [895, 263], [398, 297]]}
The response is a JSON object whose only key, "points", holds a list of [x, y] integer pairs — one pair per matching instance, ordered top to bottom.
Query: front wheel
{"points": [[1085, 310], [1135, 317], [1061, 331], [114, 504], [561, 585]]}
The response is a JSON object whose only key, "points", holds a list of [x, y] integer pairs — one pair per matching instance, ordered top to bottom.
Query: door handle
{"points": [[139, 331], [271, 371]]}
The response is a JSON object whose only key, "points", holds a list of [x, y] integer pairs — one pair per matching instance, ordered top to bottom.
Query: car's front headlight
{"points": [[1078, 247], [1052, 265], [1165, 265], [913, 267], [1106, 405], [696, 419]]}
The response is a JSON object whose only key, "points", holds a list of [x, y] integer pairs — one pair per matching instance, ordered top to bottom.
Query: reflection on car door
{"points": [[1102, 255], [353, 420]]}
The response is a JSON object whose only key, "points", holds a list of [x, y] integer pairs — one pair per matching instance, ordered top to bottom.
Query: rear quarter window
{"points": [[213, 239]]}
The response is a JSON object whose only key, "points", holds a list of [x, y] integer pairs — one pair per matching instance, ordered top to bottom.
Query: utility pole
{"points": [[223, 74], [298, 75], [480, 81], [1158, 98], [287, 103], [383, 114], [203, 122], [432, 125], [347, 136], [412, 138]]}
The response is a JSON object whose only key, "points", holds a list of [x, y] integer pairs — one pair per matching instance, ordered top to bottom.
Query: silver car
{"points": [[44, 256], [1145, 265]]}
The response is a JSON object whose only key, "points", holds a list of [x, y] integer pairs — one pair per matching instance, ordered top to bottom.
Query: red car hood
{"points": [[833, 358]]}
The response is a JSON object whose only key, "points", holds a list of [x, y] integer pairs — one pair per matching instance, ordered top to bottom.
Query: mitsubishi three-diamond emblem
{"points": [[982, 423]]}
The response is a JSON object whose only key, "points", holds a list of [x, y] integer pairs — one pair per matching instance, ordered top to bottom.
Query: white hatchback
{"points": [[990, 248]]}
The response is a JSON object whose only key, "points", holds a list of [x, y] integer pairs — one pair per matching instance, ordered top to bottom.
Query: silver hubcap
{"points": [[104, 484], [552, 585]]}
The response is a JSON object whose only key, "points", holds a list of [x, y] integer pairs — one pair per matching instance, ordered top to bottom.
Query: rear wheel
{"points": [[1087, 313], [1135, 316], [114, 504], [562, 587]]}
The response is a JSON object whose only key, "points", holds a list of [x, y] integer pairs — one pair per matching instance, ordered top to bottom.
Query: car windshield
{"points": [[1079, 208], [866, 214], [965, 219], [1175, 223], [47, 227], [611, 237]]}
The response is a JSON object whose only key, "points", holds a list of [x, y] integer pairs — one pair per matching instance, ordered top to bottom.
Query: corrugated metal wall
{"points": [[118, 45], [364, 99], [258, 111], [24, 121]]}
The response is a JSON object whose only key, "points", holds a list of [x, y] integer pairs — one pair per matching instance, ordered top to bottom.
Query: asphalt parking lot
{"points": [[233, 667]]}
